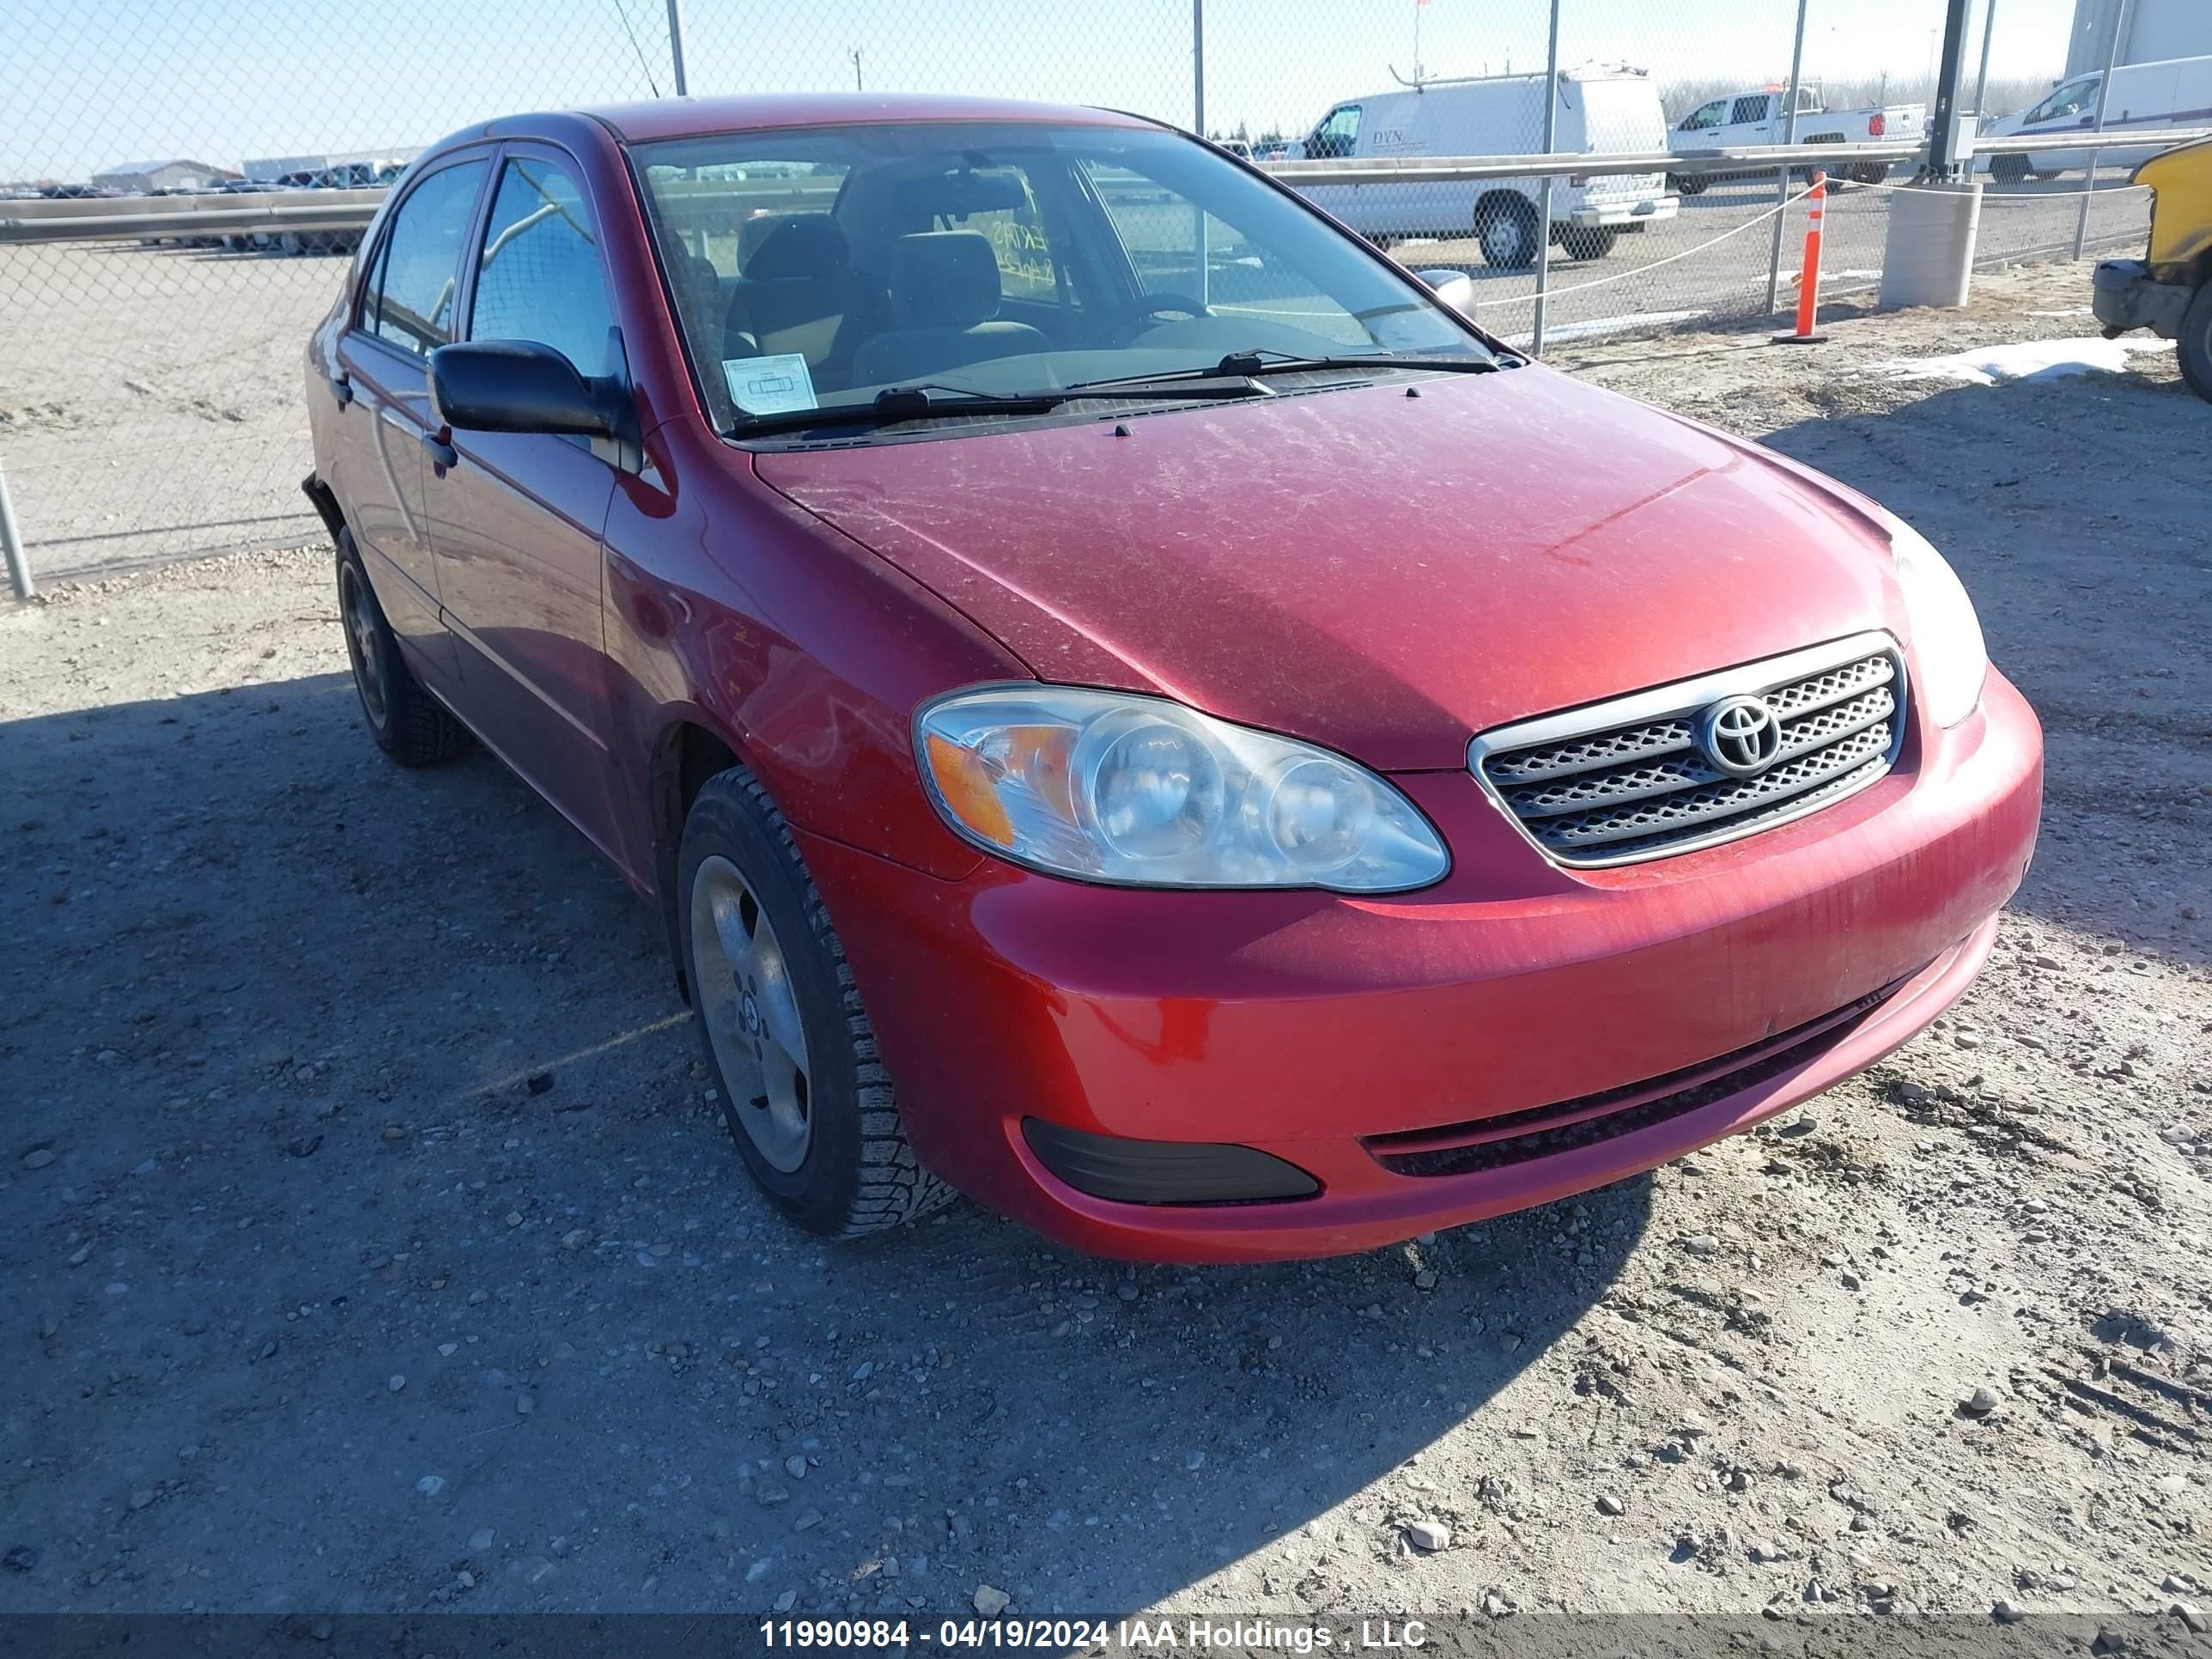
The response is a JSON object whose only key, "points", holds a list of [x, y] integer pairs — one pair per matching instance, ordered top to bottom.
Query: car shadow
{"points": [[2085, 557], [381, 1158]]}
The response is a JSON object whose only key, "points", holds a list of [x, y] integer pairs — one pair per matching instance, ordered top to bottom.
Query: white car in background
{"points": [[2147, 99], [1600, 109]]}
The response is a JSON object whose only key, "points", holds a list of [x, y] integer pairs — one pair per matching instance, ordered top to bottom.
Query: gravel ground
{"points": [[370, 1245]]}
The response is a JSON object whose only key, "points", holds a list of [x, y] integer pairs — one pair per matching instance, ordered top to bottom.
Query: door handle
{"points": [[441, 454]]}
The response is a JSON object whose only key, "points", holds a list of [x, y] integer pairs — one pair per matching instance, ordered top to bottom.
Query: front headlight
{"points": [[1946, 635], [1144, 793]]}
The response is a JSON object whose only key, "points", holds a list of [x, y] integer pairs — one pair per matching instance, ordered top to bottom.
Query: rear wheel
{"points": [[2008, 169], [1869, 173], [1506, 227], [1593, 243], [2193, 345], [408, 723], [803, 1092]]}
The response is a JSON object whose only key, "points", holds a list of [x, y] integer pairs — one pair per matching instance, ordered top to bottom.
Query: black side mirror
{"points": [[518, 385]]}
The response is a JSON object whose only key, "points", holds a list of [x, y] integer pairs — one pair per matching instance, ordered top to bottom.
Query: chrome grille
{"points": [[1627, 780]]}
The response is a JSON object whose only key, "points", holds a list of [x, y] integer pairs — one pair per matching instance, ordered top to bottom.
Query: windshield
{"points": [[813, 268]]}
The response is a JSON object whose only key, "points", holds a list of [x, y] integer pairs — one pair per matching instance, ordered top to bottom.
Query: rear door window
{"points": [[1749, 109], [540, 276], [412, 306]]}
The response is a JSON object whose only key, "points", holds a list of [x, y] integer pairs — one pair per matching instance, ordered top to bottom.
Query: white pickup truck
{"points": [[1761, 116]]}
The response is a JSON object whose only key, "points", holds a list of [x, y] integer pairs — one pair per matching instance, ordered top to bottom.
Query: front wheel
{"points": [[2008, 169], [1689, 183], [1507, 231], [2193, 345], [803, 1092]]}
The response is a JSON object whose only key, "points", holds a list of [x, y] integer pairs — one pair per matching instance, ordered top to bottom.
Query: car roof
{"points": [[688, 117]]}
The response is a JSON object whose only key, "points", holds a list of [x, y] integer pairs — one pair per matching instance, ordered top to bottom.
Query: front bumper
{"points": [[1645, 210], [2126, 295], [1351, 1038]]}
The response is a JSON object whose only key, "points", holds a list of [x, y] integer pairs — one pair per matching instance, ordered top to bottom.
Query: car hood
{"points": [[1381, 572]]}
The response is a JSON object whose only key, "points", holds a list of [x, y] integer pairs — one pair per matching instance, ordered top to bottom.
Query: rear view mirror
{"points": [[1455, 288], [516, 386]]}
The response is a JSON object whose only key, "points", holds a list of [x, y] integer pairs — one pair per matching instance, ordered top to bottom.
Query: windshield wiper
{"points": [[1266, 359], [930, 401]]}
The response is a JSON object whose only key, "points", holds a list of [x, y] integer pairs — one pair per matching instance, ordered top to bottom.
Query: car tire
{"points": [[2008, 169], [1870, 173], [1689, 183], [1507, 232], [1592, 243], [2193, 345], [408, 723], [819, 1129]]}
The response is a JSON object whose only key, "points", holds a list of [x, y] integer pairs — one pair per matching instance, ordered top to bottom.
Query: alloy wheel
{"points": [[358, 615], [742, 991]]}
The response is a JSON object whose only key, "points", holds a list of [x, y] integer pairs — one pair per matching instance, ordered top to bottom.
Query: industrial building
{"points": [[2151, 32], [269, 168], [142, 178]]}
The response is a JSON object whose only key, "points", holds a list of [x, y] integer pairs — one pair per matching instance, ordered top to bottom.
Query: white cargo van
{"points": [[2146, 99], [1600, 109]]}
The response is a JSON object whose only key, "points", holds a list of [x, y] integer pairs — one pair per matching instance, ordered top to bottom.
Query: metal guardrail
{"points": [[1605, 165], [169, 216], [83, 220]]}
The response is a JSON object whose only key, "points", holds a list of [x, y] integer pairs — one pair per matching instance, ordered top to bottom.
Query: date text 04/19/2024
{"points": [[1196, 1634]]}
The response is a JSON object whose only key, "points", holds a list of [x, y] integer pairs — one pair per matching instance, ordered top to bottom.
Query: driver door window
{"points": [[2075, 98], [1705, 116], [1337, 136], [539, 277]]}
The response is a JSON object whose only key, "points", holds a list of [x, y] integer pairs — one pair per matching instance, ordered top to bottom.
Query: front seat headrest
{"points": [[804, 245], [944, 279]]}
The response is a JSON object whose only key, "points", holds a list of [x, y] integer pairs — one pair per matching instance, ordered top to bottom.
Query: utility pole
{"points": [[675, 45], [1198, 67], [1982, 81], [857, 87], [2104, 100], [1942, 135], [1789, 137], [1551, 142]]}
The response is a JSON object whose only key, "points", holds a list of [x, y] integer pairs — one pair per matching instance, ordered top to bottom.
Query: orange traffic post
{"points": [[1808, 282]]}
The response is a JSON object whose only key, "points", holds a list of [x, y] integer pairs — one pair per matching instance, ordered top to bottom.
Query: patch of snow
{"points": [[2024, 360]]}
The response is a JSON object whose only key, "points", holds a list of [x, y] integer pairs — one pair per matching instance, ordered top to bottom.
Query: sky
{"points": [[89, 83]]}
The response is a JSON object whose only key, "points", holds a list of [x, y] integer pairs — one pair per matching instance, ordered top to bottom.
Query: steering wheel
{"points": [[1162, 305]]}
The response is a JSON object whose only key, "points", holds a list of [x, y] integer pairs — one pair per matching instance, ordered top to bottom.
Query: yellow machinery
{"points": [[2169, 291]]}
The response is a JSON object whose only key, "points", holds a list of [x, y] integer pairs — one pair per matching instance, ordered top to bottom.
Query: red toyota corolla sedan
{"points": [[1129, 705]]}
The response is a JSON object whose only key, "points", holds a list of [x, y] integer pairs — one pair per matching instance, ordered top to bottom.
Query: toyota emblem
{"points": [[1739, 735]]}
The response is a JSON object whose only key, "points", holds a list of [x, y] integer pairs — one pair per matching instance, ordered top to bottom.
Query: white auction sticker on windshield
{"points": [[770, 385]]}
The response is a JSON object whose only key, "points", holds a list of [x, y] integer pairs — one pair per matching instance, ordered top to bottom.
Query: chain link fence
{"points": [[149, 401]]}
